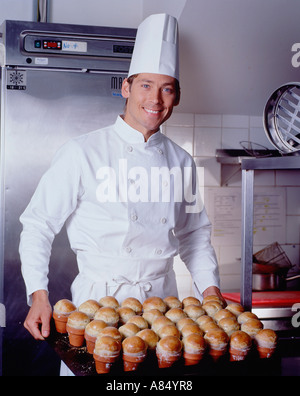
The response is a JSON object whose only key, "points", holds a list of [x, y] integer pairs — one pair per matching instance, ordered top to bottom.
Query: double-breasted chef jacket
{"points": [[124, 231]]}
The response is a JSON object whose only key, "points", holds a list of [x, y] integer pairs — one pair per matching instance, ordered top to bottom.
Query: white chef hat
{"points": [[156, 47]]}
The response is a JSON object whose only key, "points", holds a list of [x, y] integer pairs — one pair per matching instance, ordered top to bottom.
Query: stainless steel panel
{"points": [[82, 47], [36, 118]]}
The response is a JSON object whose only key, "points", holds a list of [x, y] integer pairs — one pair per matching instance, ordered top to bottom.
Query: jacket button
{"points": [[129, 149], [134, 217], [163, 220], [128, 249], [158, 251]]}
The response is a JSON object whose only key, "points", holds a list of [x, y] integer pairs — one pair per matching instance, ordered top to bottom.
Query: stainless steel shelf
{"points": [[248, 166]]}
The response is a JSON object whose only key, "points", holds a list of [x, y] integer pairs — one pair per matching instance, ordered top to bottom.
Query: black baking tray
{"points": [[81, 363]]}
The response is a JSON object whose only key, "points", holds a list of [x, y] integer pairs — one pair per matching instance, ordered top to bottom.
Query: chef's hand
{"points": [[213, 290], [39, 314]]}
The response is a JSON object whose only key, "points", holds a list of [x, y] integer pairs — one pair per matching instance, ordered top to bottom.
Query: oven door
{"points": [[41, 110]]}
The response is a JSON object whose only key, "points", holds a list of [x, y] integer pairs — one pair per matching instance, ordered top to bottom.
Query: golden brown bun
{"points": [[212, 298], [109, 301], [190, 301], [172, 302], [155, 303], [134, 304], [64, 307], [89, 307], [212, 307], [235, 308], [194, 311], [125, 313], [175, 314], [222, 314], [109, 315], [151, 315], [244, 316], [204, 319], [78, 320], [139, 321], [160, 322], [182, 322], [229, 325], [208, 326], [95, 327], [252, 327], [129, 329], [191, 329], [168, 330], [112, 332], [150, 337], [266, 338], [217, 339], [240, 340], [194, 343], [134, 345], [170, 345], [107, 346]]}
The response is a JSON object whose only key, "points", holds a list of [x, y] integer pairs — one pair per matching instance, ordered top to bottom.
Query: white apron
{"points": [[124, 278]]}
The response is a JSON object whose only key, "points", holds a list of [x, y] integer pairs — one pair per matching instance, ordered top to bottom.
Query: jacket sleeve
{"points": [[53, 201], [193, 231]]}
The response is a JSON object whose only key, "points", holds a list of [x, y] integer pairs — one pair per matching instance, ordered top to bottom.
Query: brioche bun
{"points": [[109, 301], [172, 302], [154, 303], [134, 304], [89, 307], [175, 314]]}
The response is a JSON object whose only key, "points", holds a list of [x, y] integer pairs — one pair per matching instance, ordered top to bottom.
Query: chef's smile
{"points": [[150, 101]]}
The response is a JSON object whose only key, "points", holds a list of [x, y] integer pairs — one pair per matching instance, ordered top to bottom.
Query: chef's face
{"points": [[150, 101]]}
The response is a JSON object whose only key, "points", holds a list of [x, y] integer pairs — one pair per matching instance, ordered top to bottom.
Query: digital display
{"points": [[52, 44], [123, 49]]}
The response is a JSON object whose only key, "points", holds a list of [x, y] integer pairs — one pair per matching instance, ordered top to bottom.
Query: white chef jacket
{"points": [[124, 238]]}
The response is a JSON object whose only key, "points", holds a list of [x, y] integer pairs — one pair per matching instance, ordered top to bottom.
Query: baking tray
{"points": [[82, 363]]}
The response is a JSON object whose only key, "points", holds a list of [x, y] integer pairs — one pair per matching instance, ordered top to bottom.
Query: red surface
{"points": [[269, 298]]}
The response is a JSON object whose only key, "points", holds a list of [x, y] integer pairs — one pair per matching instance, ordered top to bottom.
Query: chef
{"points": [[124, 224]]}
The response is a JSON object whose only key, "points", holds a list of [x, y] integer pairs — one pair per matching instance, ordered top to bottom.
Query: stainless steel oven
{"points": [[57, 81]]}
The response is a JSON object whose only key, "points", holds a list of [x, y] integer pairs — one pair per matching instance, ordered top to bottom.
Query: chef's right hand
{"points": [[39, 314]]}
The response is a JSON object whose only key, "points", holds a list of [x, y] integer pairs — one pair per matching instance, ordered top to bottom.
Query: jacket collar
{"points": [[131, 135]]}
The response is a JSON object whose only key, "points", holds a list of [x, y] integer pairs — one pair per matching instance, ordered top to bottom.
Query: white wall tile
{"points": [[181, 119], [208, 120], [235, 121], [256, 121], [258, 135], [183, 136], [231, 137], [207, 140], [287, 177], [293, 201], [293, 229]]}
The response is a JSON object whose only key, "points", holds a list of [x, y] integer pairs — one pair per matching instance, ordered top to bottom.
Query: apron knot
{"points": [[144, 286]]}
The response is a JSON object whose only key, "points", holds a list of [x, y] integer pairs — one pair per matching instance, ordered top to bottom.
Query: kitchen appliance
{"points": [[57, 81], [282, 118]]}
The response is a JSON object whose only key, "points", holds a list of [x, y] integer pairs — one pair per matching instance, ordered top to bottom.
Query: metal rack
{"points": [[248, 166]]}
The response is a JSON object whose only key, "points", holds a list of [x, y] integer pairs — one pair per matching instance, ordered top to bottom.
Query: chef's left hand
{"points": [[213, 290]]}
